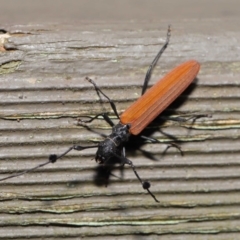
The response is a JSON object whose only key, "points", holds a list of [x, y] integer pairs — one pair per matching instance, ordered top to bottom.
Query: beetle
{"points": [[135, 118]]}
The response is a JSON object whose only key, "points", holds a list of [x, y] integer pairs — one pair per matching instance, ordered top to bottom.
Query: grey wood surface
{"points": [[43, 92]]}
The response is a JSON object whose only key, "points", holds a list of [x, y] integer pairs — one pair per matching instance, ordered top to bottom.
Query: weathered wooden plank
{"points": [[42, 92]]}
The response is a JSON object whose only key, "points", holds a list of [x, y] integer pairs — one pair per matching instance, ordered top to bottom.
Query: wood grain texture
{"points": [[43, 91]]}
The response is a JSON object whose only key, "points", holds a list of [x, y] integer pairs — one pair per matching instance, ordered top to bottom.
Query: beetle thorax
{"points": [[112, 146]]}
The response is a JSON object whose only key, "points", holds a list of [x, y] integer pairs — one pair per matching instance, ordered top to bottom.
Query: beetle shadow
{"points": [[102, 173]]}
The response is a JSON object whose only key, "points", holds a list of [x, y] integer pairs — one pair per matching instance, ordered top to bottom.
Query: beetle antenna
{"points": [[52, 159], [145, 184]]}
